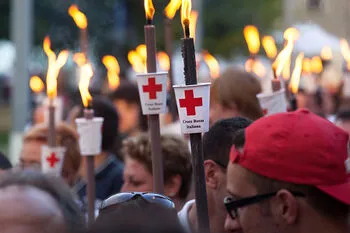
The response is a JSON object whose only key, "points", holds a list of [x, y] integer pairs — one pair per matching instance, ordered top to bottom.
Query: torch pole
{"points": [[83, 41], [169, 50], [188, 54], [153, 120], [52, 129], [90, 174]]}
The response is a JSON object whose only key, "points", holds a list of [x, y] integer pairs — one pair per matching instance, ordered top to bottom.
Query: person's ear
{"points": [[211, 170], [172, 188], [287, 206]]}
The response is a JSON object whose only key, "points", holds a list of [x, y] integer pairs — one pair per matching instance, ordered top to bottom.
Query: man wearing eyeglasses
{"points": [[216, 146], [290, 176]]}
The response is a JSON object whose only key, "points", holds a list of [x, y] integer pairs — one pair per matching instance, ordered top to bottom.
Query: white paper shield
{"points": [[346, 83], [152, 91], [58, 103], [273, 103], [193, 106], [90, 135], [52, 159]]}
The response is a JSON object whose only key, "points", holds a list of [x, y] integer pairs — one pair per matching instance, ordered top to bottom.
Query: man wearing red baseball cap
{"points": [[290, 176]]}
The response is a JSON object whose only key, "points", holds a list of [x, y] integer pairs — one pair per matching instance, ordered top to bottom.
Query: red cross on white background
{"points": [[152, 88], [190, 103], [52, 160]]}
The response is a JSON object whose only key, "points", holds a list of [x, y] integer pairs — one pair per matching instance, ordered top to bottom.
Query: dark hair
{"points": [[126, 91], [103, 107], [343, 114], [217, 142], [176, 157], [4, 162], [55, 187], [137, 216]]}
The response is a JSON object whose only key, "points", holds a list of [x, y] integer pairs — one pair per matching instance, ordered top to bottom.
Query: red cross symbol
{"points": [[152, 88], [190, 103], [265, 111], [52, 159]]}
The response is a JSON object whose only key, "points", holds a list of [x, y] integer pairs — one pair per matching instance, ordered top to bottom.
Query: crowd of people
{"points": [[288, 172]]}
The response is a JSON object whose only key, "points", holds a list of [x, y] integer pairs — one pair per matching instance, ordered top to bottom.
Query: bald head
{"points": [[28, 209]]}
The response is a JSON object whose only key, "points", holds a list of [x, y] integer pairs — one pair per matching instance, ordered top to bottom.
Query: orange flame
{"points": [[171, 8], [149, 9], [186, 13], [78, 16], [193, 25], [251, 35], [269, 46], [345, 50], [142, 51], [326, 53], [283, 58], [79, 59], [164, 61], [136, 62], [212, 63], [306, 65], [316, 65], [54, 66], [256, 67], [286, 69], [113, 70], [85, 76], [295, 80], [36, 84]]}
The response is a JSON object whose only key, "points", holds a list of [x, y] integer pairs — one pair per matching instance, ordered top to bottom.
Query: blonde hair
{"points": [[238, 88], [66, 136]]}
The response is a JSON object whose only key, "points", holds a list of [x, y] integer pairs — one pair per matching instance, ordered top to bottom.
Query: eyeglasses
{"points": [[125, 197], [233, 205]]}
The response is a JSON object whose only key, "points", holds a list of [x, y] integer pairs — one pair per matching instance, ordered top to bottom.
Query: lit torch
{"points": [[81, 22], [269, 46], [164, 60], [136, 62], [316, 65], [53, 69], [113, 71], [295, 80]]}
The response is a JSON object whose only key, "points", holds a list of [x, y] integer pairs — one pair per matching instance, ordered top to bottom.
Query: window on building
{"points": [[313, 4]]}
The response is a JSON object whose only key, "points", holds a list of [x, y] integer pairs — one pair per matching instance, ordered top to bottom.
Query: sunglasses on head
{"points": [[128, 196], [232, 205]]}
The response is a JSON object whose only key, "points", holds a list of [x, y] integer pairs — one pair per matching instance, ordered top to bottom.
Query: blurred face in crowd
{"points": [[219, 112], [128, 115], [30, 156], [136, 177], [30, 210]]}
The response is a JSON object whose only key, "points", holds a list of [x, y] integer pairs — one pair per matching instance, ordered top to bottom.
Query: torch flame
{"points": [[171, 8], [149, 9], [186, 13], [78, 16], [193, 25], [251, 35], [269, 46], [345, 50], [142, 51], [326, 53], [283, 58], [79, 59], [136, 61], [164, 61], [212, 63], [306, 65], [316, 65], [54, 67], [256, 67], [113, 70], [86, 74], [294, 82], [36, 84]]}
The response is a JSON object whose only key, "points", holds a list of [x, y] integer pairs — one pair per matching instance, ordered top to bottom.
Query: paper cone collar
{"points": [[152, 91], [273, 103], [193, 106], [90, 135], [52, 159]]}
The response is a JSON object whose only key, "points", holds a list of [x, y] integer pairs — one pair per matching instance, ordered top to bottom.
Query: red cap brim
{"points": [[340, 192]]}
